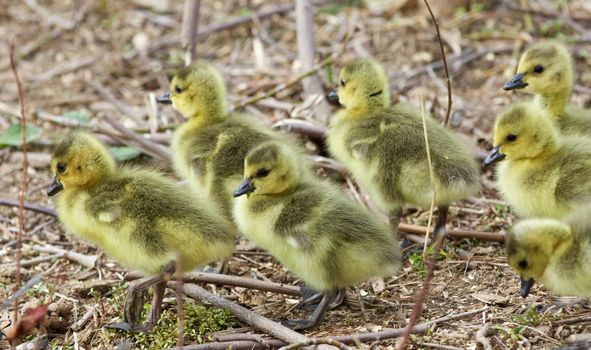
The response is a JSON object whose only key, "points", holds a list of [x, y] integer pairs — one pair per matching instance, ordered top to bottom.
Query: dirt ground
{"points": [[67, 55]]}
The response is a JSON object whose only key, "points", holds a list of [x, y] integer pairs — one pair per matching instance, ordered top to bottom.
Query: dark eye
{"points": [[538, 69], [343, 83], [178, 89], [511, 137], [61, 167], [263, 172], [523, 264]]}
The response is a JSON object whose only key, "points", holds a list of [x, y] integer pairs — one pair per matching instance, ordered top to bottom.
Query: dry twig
{"points": [[189, 29], [307, 54], [449, 94], [431, 176], [24, 180], [29, 206], [84, 260], [228, 280], [14, 297], [251, 318], [481, 336]]}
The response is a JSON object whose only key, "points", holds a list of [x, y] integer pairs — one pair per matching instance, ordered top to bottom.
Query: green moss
{"points": [[200, 320]]}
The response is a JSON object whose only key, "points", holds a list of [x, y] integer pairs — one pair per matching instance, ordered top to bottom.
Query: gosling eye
{"points": [[538, 69], [343, 83], [178, 89], [511, 137], [61, 168], [263, 172], [523, 264]]}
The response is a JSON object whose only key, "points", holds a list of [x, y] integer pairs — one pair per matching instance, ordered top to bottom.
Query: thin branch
{"points": [[189, 29], [307, 55], [448, 80], [281, 87], [120, 106], [150, 147], [431, 176], [24, 179], [29, 206], [485, 236], [84, 260], [228, 280], [421, 296], [14, 297], [179, 301], [249, 317], [482, 336], [317, 341], [234, 345]]}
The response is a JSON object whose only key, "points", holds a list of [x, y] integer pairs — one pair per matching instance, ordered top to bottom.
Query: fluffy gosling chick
{"points": [[546, 70], [209, 149], [385, 151], [542, 174], [135, 215], [310, 226], [556, 253]]}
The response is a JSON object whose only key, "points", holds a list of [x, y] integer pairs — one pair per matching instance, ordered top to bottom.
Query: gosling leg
{"points": [[394, 218], [440, 226], [311, 298], [135, 301], [317, 316]]}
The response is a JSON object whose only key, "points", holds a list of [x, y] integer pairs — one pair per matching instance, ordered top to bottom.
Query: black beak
{"points": [[515, 83], [333, 97], [164, 99], [494, 156], [54, 187], [245, 187], [526, 286]]}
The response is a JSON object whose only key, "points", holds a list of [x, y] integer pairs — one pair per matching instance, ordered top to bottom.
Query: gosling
{"points": [[546, 70], [209, 149], [385, 151], [543, 174], [136, 215], [311, 227], [556, 253]]}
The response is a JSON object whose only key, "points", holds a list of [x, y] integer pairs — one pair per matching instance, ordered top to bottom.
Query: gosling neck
{"points": [[554, 103], [365, 109], [210, 113]]}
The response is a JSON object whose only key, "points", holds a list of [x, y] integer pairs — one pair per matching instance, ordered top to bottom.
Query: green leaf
{"points": [[330, 74], [81, 116], [12, 135], [124, 153]]}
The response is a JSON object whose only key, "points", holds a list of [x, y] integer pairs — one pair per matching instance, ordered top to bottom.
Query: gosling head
{"points": [[545, 69], [363, 86], [197, 91], [523, 131], [79, 161], [269, 169], [531, 245]]}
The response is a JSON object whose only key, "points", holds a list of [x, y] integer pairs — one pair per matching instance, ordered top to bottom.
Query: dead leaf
{"points": [[490, 298], [31, 319]]}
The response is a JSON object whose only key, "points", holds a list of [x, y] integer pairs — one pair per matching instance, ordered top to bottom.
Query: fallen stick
{"points": [[120, 106], [29, 206], [485, 236], [38, 260], [84, 260], [227, 280], [30, 283], [249, 317], [577, 319], [482, 336], [234, 345]]}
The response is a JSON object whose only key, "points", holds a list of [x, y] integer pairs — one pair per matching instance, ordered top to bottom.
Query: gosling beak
{"points": [[515, 83], [333, 97], [164, 99], [494, 156], [54, 187], [246, 187], [526, 286]]}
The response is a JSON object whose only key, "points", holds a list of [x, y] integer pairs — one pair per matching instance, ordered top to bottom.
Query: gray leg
{"points": [[440, 228], [317, 316]]}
